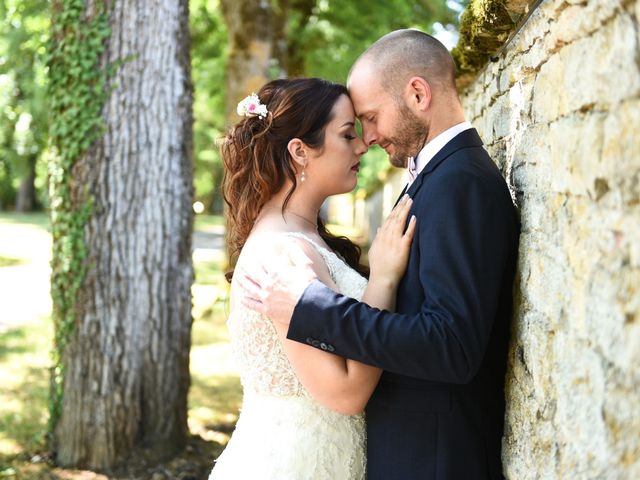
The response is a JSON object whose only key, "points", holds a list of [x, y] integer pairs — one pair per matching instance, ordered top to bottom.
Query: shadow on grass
{"points": [[37, 219], [10, 262], [210, 326], [13, 342], [220, 397], [23, 417]]}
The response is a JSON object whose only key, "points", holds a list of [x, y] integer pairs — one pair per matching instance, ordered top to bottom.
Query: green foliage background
{"points": [[323, 43], [24, 127]]}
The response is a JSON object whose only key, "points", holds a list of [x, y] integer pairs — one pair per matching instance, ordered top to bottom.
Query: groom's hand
{"points": [[276, 285]]}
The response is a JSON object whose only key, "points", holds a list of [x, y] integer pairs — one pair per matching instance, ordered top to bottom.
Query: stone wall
{"points": [[560, 114]]}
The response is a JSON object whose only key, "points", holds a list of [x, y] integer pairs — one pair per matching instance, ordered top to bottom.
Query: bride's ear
{"points": [[298, 151]]}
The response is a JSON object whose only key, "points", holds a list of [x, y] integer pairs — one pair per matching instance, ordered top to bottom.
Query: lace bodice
{"points": [[263, 364], [282, 432]]}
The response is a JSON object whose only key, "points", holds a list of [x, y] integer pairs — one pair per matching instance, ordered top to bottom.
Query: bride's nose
{"points": [[361, 147]]}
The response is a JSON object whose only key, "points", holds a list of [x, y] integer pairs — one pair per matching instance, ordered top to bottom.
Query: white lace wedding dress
{"points": [[283, 433]]}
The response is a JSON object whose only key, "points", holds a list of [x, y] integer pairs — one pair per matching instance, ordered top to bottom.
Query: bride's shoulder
{"points": [[279, 242], [271, 246]]}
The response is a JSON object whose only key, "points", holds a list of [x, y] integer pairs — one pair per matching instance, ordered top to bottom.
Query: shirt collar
{"points": [[434, 146]]}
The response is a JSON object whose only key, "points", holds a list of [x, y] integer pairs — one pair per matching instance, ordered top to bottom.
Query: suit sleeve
{"points": [[463, 242]]}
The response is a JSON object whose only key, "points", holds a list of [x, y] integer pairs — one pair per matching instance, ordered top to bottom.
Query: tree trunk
{"points": [[295, 45], [254, 55], [26, 195], [127, 361]]}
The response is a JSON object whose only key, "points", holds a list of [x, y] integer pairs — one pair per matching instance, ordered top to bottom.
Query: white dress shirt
{"points": [[415, 166]]}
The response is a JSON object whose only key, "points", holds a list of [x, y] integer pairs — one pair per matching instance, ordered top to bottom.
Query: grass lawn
{"points": [[215, 393]]}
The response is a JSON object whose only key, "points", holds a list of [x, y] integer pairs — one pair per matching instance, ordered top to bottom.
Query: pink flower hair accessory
{"points": [[250, 106]]}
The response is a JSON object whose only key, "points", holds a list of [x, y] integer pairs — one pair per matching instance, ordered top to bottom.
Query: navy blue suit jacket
{"points": [[438, 411]]}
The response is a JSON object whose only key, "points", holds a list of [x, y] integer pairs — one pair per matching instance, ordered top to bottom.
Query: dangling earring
{"points": [[302, 175]]}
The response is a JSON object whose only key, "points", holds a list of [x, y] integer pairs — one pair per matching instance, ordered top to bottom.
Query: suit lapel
{"points": [[466, 139]]}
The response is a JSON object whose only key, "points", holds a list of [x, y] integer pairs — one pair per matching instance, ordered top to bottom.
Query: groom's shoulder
{"points": [[470, 164], [467, 171]]}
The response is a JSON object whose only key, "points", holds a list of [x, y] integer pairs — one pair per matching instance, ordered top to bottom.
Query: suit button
{"points": [[309, 340], [315, 343], [323, 346], [330, 348]]}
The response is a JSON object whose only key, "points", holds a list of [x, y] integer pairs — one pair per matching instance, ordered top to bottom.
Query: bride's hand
{"points": [[389, 251]]}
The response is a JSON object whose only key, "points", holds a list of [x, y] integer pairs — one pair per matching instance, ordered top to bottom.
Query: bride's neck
{"points": [[300, 204]]}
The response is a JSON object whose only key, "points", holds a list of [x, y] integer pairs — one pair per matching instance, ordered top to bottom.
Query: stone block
{"points": [[579, 20], [537, 26], [566, 29], [534, 57], [601, 70], [588, 73], [506, 80], [491, 87], [549, 96], [499, 117], [484, 127], [576, 143], [529, 159], [620, 162], [609, 301], [580, 390], [623, 424]]}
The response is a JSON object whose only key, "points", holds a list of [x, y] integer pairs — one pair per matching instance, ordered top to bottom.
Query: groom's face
{"points": [[386, 121]]}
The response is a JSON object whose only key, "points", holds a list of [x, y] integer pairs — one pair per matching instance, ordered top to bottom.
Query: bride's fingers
{"points": [[401, 204], [403, 212], [393, 215], [399, 218], [411, 228], [256, 278], [249, 286], [253, 304]]}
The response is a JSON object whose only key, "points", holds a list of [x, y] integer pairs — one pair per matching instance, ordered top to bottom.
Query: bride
{"points": [[301, 416]]}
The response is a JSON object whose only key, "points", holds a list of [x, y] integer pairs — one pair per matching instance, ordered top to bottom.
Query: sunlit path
{"points": [[24, 288]]}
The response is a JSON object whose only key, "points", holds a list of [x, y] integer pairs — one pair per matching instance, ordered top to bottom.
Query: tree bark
{"points": [[295, 47], [254, 54], [127, 363]]}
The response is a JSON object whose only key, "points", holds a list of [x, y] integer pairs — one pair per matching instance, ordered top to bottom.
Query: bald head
{"points": [[403, 54]]}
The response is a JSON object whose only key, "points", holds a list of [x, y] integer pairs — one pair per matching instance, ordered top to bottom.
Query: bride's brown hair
{"points": [[257, 162]]}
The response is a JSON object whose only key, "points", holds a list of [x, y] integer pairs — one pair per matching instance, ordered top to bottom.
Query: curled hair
{"points": [[257, 162]]}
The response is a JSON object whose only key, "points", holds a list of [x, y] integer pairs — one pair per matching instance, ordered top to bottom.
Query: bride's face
{"points": [[334, 168]]}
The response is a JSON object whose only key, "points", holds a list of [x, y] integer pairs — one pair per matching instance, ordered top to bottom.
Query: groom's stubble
{"points": [[409, 137]]}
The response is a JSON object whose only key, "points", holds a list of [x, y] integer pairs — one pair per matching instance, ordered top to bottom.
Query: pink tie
{"points": [[411, 167]]}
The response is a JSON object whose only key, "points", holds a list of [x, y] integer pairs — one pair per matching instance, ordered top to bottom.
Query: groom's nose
{"points": [[369, 135]]}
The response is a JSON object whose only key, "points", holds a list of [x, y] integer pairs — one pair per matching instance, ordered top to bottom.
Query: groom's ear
{"points": [[418, 93], [298, 151]]}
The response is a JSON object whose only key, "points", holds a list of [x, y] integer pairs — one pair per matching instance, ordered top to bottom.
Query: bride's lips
{"points": [[356, 167]]}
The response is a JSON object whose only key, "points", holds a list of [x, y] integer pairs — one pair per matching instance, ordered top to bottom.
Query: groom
{"points": [[438, 410]]}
